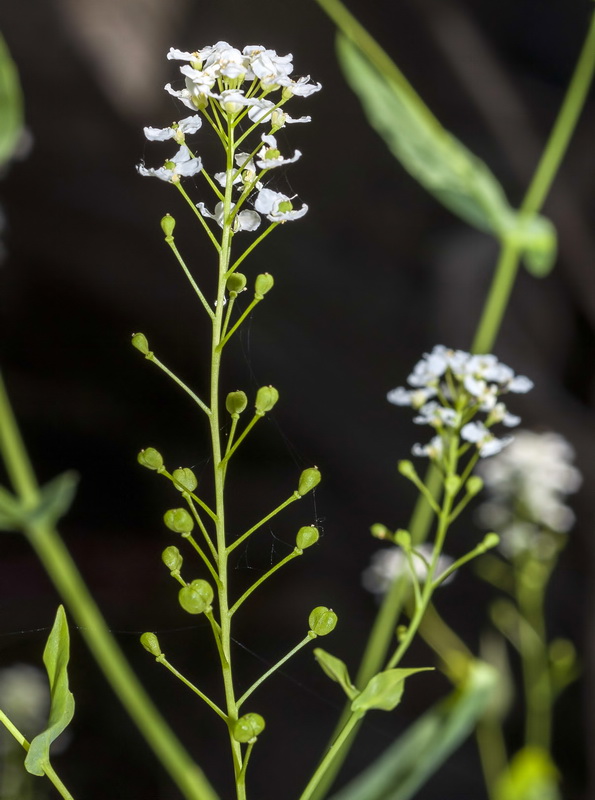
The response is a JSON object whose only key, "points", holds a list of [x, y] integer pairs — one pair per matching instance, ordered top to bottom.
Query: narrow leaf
{"points": [[11, 105], [436, 159], [56, 498], [55, 658], [337, 671], [384, 691], [409, 762]]}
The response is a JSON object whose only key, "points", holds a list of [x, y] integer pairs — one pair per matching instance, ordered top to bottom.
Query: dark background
{"points": [[374, 275]]}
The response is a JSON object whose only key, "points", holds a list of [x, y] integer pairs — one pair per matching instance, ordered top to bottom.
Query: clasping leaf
{"points": [[337, 671], [385, 690]]}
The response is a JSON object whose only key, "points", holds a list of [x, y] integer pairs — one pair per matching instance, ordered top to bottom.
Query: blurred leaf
{"points": [[11, 105], [436, 159], [56, 498], [10, 511], [55, 658], [336, 670], [384, 691], [409, 762], [531, 776]]}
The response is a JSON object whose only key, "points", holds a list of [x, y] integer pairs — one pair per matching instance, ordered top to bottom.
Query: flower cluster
{"points": [[227, 86], [450, 387], [527, 486], [391, 562]]}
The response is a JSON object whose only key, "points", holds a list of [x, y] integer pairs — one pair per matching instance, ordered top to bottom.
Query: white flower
{"points": [[267, 66], [301, 87], [265, 111], [177, 131], [270, 157], [180, 165], [277, 207], [244, 221], [403, 397], [437, 416], [487, 443], [433, 449], [532, 478], [390, 563], [24, 697]]}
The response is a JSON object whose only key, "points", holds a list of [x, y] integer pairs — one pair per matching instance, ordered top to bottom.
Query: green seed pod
{"points": [[168, 224], [236, 283], [263, 284], [139, 340], [266, 397], [236, 402], [150, 458], [407, 469], [185, 479], [309, 479], [452, 484], [474, 485], [178, 520], [380, 531], [306, 537], [403, 539], [490, 540], [172, 558], [196, 597], [322, 620], [151, 644], [248, 727]]}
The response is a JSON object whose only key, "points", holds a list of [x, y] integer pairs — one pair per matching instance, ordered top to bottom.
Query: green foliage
{"points": [[11, 105], [439, 162], [54, 501], [55, 658], [336, 671], [384, 691], [409, 762], [531, 776]]}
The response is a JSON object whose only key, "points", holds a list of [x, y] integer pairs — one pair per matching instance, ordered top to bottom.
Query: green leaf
{"points": [[11, 105], [436, 159], [56, 498], [10, 511], [55, 658], [336, 670], [384, 691], [409, 762], [531, 776]]}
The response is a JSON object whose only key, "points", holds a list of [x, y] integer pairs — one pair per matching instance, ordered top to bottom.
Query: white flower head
{"points": [[177, 131], [270, 157], [183, 164], [244, 221], [487, 444], [390, 563]]}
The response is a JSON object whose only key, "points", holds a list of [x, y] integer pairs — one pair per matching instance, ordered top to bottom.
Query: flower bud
{"points": [[168, 224], [236, 283], [263, 284], [139, 340], [266, 397], [236, 402], [150, 458], [407, 469], [185, 479], [309, 479], [452, 484], [474, 485], [178, 520], [380, 531], [306, 537], [490, 540], [172, 558], [196, 597], [322, 620], [151, 644], [248, 727]]}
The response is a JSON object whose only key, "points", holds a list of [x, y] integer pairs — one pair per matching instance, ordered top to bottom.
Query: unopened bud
{"points": [[168, 224], [236, 283], [263, 284], [139, 340], [266, 397], [236, 402], [150, 458], [407, 469], [184, 479], [309, 479], [452, 484], [178, 520], [380, 531], [306, 537], [403, 539], [490, 540], [172, 558], [196, 597], [322, 620], [151, 644], [248, 727]]}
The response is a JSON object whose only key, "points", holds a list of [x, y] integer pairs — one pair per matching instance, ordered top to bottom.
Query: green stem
{"points": [[170, 241], [249, 249], [230, 333], [154, 360], [230, 451], [258, 525], [203, 556], [64, 574], [262, 579], [162, 660], [274, 668], [333, 751]]}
